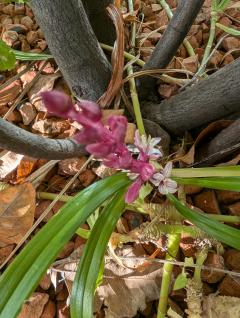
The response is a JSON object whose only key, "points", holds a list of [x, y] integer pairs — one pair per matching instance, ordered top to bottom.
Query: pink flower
{"points": [[146, 146], [163, 182], [133, 191]]}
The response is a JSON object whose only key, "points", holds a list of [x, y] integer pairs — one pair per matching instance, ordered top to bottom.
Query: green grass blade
{"points": [[231, 31], [28, 56], [7, 58], [229, 171], [221, 183], [221, 232], [90, 264], [24, 273]]}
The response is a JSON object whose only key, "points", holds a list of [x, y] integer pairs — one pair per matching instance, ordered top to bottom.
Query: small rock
{"points": [[156, 7], [19, 8], [9, 9], [29, 12], [161, 19], [6, 21], [28, 22], [19, 28], [10, 37], [32, 38], [231, 43], [42, 44], [25, 47], [216, 59], [228, 59], [191, 63], [166, 90], [28, 113], [50, 126], [130, 133], [69, 167], [87, 177], [56, 183], [192, 189], [227, 197], [207, 201], [57, 206], [40, 208], [234, 209], [134, 219], [188, 246], [67, 250], [5, 252], [232, 259], [214, 261], [45, 282], [230, 286], [63, 294], [34, 307], [49, 310], [63, 310]]}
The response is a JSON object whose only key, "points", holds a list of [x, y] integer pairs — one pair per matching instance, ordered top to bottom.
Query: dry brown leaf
{"points": [[117, 58], [44, 83], [9, 93], [51, 127], [214, 127], [232, 162], [8, 163], [25, 168], [17, 206], [134, 288], [34, 306], [221, 307]]}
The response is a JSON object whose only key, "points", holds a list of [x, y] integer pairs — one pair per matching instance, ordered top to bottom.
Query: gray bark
{"points": [[100, 22], [169, 43], [74, 46], [211, 99], [23, 142]]}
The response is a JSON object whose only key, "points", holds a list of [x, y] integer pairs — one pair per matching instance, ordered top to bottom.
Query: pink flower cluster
{"points": [[108, 144]]}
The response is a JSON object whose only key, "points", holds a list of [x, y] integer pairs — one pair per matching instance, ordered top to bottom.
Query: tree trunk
{"points": [[100, 22], [74, 46], [211, 99]]}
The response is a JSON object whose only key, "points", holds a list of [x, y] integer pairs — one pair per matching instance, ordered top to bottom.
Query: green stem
{"points": [[214, 18], [186, 43], [132, 84], [226, 171], [173, 245], [200, 259]]}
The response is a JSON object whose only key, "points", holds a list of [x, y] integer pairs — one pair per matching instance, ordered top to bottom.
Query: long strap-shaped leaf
{"points": [[219, 183], [223, 233], [24, 273], [85, 281]]}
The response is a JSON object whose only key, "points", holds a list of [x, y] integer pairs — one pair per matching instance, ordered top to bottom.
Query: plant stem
{"points": [[214, 18], [186, 43], [132, 84], [173, 245]]}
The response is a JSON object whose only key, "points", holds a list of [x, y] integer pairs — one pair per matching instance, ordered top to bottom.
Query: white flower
{"points": [[147, 145], [163, 182]]}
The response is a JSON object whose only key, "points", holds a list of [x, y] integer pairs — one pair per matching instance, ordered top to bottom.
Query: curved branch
{"points": [[100, 21], [172, 38], [74, 46], [213, 98], [23, 142]]}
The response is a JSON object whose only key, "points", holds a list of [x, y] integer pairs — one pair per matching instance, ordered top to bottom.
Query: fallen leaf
{"points": [[44, 83], [9, 93], [51, 127], [214, 127], [8, 163], [25, 168], [17, 205], [34, 306]]}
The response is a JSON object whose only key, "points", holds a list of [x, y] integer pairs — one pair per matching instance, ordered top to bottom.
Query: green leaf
{"points": [[223, 4], [228, 30], [28, 56], [7, 57], [229, 171], [219, 183], [145, 191], [221, 232], [91, 260], [188, 262], [23, 274], [180, 281]]}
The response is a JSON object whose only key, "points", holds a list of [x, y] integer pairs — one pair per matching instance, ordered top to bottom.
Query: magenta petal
{"points": [[58, 103], [91, 110], [118, 127], [87, 136], [100, 150], [133, 191]]}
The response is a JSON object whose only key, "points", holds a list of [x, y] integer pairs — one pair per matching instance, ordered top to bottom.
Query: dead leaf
{"points": [[117, 58], [44, 83], [9, 93], [51, 127], [214, 127], [232, 162], [8, 163], [25, 168], [17, 205], [134, 288], [34, 306], [221, 307]]}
